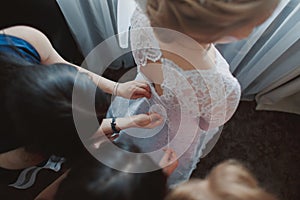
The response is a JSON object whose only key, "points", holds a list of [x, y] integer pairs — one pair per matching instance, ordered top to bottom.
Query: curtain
{"points": [[94, 21], [267, 64]]}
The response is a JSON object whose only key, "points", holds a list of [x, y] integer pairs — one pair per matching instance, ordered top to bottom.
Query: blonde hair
{"points": [[208, 19], [228, 181]]}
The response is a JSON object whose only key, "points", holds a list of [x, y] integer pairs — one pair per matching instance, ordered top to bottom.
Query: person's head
{"points": [[210, 20], [36, 105], [93, 180], [227, 181]]}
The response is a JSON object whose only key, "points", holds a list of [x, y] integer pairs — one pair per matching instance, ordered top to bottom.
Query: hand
{"points": [[134, 90], [149, 120], [169, 161]]}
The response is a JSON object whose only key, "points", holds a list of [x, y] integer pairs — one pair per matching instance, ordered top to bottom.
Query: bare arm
{"points": [[130, 90], [138, 121], [50, 191]]}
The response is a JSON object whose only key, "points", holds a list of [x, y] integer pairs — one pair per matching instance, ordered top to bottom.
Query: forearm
{"points": [[52, 57], [103, 83], [129, 90], [50, 191]]}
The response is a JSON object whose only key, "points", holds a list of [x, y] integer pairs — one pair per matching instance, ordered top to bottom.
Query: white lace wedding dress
{"points": [[189, 99]]}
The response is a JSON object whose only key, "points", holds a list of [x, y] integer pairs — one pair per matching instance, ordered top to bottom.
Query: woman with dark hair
{"points": [[36, 101], [36, 108], [92, 180]]}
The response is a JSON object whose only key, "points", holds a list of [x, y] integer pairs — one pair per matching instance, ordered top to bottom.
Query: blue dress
{"points": [[18, 47]]}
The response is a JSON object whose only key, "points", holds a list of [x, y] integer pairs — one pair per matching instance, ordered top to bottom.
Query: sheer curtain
{"points": [[93, 21], [267, 64]]}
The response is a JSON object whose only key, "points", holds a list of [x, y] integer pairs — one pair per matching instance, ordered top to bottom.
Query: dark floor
{"points": [[267, 142]]}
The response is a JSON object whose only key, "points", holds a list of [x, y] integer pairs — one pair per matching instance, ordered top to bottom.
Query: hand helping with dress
{"points": [[133, 90], [149, 120], [169, 161]]}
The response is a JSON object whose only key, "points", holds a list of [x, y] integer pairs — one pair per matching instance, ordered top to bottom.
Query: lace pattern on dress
{"points": [[144, 44], [205, 97]]}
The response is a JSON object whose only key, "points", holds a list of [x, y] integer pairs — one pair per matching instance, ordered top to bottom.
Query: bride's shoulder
{"points": [[142, 4], [139, 18]]}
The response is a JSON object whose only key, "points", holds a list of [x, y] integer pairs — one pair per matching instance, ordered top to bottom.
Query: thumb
{"points": [[155, 117]]}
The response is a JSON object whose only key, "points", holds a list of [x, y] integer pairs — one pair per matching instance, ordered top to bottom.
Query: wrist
{"points": [[104, 84], [115, 89], [124, 123], [114, 127]]}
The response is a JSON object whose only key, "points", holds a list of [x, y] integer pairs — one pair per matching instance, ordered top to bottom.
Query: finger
{"points": [[142, 84], [146, 87], [141, 92], [155, 117], [159, 122], [155, 124], [167, 150], [172, 154], [168, 159]]}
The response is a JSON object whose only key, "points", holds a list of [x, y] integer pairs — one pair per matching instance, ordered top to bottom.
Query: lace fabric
{"points": [[144, 44], [194, 98]]}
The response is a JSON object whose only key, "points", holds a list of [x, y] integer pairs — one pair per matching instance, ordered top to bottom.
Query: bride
{"points": [[190, 81]]}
